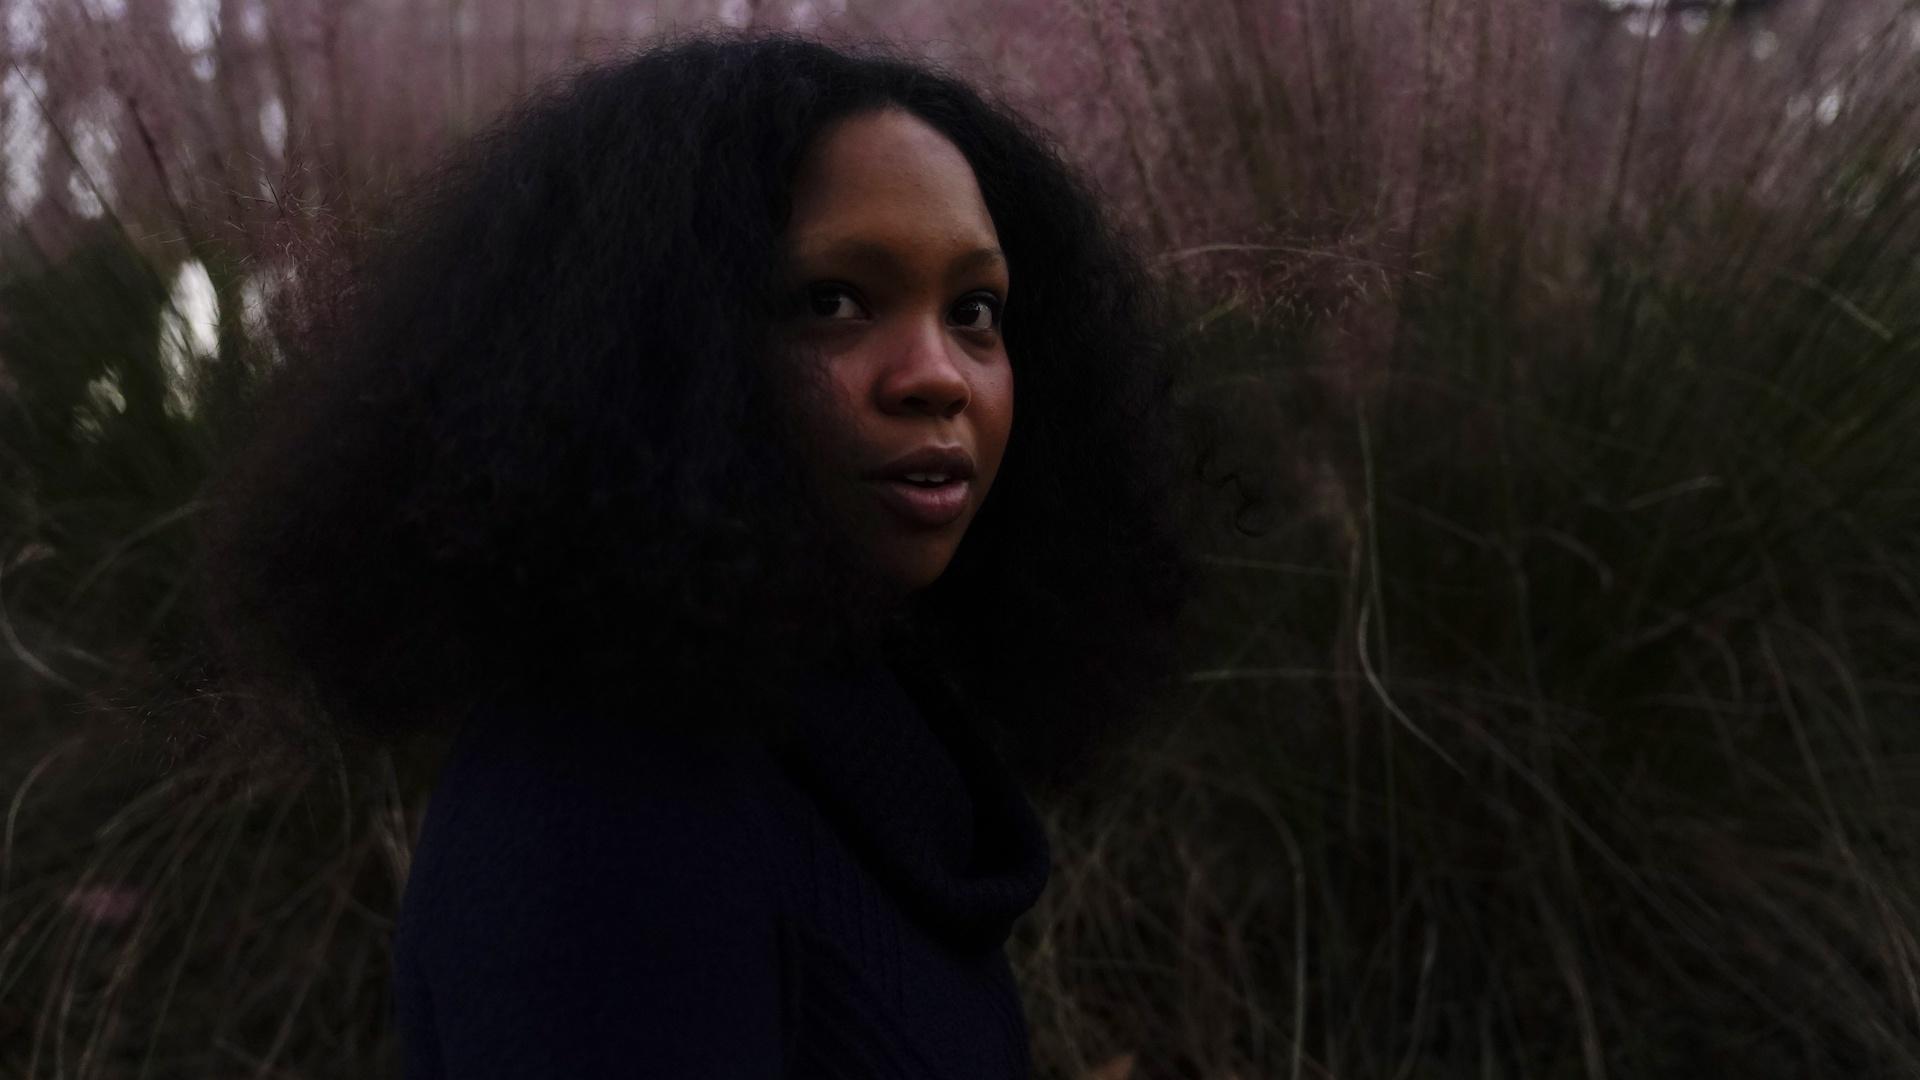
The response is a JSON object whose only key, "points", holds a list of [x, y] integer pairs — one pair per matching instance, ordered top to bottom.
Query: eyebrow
{"points": [[882, 258]]}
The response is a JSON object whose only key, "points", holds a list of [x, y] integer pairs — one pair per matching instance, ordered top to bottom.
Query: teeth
{"points": [[928, 478]]}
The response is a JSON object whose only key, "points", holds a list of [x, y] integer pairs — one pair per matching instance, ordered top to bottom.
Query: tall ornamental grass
{"points": [[1551, 709], [1558, 716]]}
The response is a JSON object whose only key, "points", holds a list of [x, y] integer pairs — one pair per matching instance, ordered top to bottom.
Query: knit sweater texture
{"points": [[594, 900]]}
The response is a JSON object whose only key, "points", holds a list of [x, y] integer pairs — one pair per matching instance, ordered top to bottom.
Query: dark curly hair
{"points": [[538, 449]]}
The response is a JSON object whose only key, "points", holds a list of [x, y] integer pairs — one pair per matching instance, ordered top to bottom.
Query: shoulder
{"points": [[555, 819], [585, 897]]}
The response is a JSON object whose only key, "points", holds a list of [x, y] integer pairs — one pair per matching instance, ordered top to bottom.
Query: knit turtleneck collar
{"points": [[923, 801]]}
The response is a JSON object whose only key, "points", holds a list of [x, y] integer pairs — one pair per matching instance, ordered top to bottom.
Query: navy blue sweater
{"points": [[589, 901]]}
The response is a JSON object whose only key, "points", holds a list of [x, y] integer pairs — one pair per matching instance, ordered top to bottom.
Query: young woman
{"points": [[761, 453]]}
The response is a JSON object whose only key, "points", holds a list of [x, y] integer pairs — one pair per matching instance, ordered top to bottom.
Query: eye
{"points": [[823, 300], [826, 300], [988, 303]]}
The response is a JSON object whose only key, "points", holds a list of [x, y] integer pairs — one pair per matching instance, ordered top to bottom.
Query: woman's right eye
{"points": [[824, 300]]}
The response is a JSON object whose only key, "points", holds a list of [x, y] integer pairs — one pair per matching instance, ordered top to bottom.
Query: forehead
{"points": [[886, 176]]}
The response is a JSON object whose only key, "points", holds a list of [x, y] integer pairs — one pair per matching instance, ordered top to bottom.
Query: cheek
{"points": [[997, 419], [829, 420]]}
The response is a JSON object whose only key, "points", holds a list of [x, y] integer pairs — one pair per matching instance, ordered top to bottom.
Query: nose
{"points": [[925, 377]]}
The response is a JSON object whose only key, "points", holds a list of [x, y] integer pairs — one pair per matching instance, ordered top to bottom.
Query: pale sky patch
{"points": [[807, 13], [253, 20], [1646, 22], [195, 24], [26, 25], [1829, 108], [273, 124], [25, 135], [94, 144], [257, 294], [189, 331], [104, 391], [104, 399]]}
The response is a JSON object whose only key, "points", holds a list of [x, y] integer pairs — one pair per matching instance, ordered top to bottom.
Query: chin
{"points": [[917, 574], [915, 582]]}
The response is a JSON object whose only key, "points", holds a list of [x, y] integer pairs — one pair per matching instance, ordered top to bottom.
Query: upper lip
{"points": [[952, 461]]}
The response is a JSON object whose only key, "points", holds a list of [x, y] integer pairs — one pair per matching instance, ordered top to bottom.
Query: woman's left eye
{"points": [[988, 303]]}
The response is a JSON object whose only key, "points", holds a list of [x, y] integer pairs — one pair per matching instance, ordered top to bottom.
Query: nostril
{"points": [[951, 409]]}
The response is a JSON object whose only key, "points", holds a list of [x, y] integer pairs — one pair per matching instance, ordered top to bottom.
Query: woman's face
{"points": [[898, 284]]}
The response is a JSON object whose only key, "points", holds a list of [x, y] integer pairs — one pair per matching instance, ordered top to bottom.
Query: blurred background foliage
{"points": [[1550, 711]]}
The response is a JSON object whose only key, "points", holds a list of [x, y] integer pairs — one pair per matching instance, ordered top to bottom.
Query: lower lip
{"points": [[930, 507]]}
